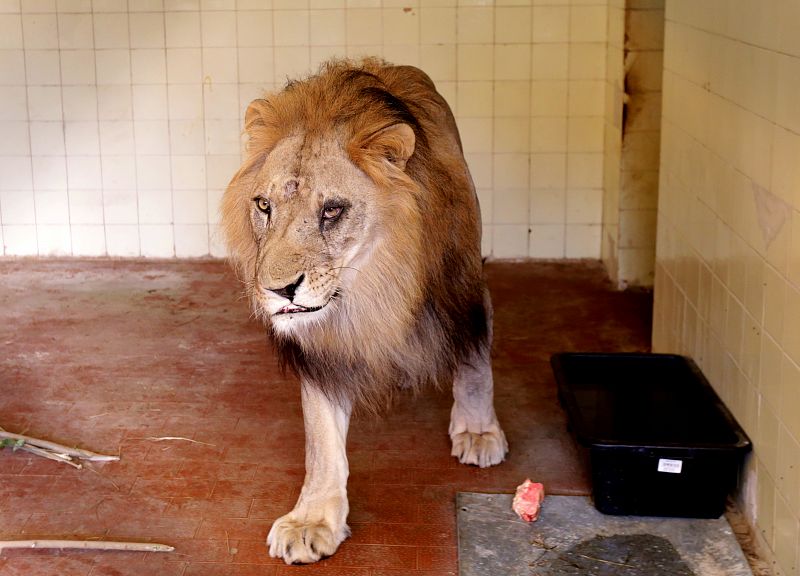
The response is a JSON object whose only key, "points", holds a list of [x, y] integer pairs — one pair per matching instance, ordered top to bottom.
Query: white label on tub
{"points": [[671, 466]]}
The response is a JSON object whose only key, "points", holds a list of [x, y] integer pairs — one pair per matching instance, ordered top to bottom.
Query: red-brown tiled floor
{"points": [[110, 355]]}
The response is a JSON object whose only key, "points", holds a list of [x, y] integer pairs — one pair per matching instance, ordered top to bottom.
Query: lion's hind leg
{"points": [[474, 430], [480, 448]]}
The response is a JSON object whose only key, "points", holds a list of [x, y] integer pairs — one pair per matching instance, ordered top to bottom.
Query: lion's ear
{"points": [[253, 115], [260, 132], [395, 143]]}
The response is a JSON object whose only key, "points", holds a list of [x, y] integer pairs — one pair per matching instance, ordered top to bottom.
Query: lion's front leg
{"points": [[318, 523]]}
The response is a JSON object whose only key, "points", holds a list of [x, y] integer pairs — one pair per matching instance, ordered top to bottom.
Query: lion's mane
{"points": [[418, 305]]}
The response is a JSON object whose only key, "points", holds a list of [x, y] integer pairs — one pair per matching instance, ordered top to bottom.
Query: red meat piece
{"points": [[528, 500]]}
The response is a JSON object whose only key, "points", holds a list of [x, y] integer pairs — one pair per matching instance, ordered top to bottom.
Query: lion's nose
{"points": [[289, 290]]}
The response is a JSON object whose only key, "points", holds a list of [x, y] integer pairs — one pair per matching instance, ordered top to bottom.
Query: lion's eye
{"points": [[263, 205], [332, 212]]}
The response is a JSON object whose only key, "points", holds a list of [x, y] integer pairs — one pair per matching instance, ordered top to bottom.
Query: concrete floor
{"points": [[110, 355], [572, 538]]}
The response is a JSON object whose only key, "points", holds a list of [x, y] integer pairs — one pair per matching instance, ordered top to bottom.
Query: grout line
{"points": [[569, 84], [133, 122], [64, 124], [169, 126], [63, 136], [99, 139]]}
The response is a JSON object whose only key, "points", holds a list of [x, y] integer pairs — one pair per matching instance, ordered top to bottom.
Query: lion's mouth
{"points": [[293, 308], [296, 309]]}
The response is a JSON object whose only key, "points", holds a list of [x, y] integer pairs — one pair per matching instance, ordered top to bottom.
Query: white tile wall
{"points": [[121, 119], [727, 289]]}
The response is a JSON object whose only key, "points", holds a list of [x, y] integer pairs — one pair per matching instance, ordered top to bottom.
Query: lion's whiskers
{"points": [[345, 268]]}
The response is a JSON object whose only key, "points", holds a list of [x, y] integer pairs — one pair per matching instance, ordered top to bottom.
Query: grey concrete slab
{"points": [[572, 537]]}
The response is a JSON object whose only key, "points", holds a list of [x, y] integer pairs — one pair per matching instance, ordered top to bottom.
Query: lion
{"points": [[354, 225]]}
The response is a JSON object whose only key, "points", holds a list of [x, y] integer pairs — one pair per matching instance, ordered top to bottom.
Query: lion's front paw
{"points": [[484, 449], [300, 541]]}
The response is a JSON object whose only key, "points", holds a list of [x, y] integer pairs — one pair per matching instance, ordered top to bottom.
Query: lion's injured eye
{"points": [[263, 205], [332, 212]]}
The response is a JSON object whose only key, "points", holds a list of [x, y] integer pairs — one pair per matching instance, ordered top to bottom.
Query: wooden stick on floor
{"points": [[51, 450], [65, 454], [86, 545]]}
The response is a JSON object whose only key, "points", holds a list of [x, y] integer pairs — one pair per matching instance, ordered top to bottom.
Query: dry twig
{"points": [[51, 450], [65, 454], [50, 455], [86, 545]]}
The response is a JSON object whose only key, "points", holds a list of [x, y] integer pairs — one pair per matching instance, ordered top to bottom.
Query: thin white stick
{"points": [[163, 438], [86, 545]]}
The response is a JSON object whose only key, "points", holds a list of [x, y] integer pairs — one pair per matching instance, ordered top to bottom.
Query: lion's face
{"points": [[323, 220], [312, 221]]}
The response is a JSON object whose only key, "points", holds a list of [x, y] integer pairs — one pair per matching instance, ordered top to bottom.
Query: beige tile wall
{"points": [[644, 31], [121, 118], [612, 135], [632, 141], [728, 250]]}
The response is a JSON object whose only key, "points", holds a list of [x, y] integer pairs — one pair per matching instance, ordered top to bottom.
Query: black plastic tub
{"points": [[660, 441]]}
